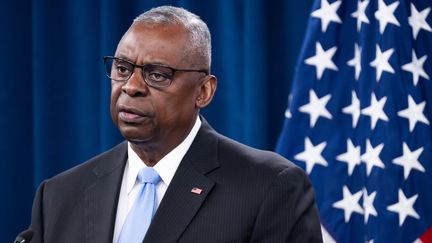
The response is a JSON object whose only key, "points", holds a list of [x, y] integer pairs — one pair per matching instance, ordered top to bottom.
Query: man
{"points": [[210, 188]]}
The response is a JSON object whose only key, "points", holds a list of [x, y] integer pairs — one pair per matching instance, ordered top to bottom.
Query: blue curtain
{"points": [[55, 98]]}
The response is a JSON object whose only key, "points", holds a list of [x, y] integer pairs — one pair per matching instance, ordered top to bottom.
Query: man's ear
{"points": [[206, 92]]}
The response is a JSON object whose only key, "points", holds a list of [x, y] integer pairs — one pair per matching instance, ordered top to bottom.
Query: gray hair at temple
{"points": [[199, 34]]}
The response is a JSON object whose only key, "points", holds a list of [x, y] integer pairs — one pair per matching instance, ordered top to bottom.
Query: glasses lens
{"points": [[117, 69], [158, 76]]}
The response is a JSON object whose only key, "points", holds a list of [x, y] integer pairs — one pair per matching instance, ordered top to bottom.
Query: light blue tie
{"points": [[139, 218]]}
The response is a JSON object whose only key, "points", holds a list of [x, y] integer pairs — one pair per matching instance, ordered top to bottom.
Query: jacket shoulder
{"points": [[249, 156], [95, 166]]}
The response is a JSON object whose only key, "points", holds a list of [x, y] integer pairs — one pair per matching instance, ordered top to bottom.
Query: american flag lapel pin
{"points": [[196, 190]]}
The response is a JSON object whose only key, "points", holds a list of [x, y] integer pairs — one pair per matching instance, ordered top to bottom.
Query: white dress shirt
{"points": [[166, 169]]}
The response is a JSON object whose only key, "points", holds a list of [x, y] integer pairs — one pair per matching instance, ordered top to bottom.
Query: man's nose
{"points": [[135, 86]]}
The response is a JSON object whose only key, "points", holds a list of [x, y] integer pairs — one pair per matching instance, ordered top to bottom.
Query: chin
{"points": [[135, 135], [138, 141]]}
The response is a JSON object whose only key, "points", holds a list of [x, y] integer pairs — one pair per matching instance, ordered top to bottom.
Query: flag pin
{"points": [[196, 190]]}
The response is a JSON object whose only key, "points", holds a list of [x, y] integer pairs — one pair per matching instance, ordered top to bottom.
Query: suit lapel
{"points": [[101, 197], [179, 204]]}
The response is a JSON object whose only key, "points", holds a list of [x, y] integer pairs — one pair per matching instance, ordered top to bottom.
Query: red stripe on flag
{"points": [[427, 236]]}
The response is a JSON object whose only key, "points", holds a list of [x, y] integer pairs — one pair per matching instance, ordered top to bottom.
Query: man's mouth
{"points": [[130, 115]]}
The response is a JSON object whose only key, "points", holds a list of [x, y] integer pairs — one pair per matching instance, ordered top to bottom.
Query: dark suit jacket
{"points": [[247, 195]]}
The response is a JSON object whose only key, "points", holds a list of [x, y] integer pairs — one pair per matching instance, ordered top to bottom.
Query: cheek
{"points": [[115, 93], [181, 104]]}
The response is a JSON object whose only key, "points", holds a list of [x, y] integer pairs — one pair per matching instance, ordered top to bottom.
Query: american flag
{"points": [[359, 118], [196, 190]]}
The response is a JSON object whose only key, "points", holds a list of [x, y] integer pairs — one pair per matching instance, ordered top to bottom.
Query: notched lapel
{"points": [[101, 197], [181, 202], [179, 205]]}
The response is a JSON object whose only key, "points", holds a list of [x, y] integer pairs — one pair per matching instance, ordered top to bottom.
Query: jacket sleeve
{"points": [[288, 212], [37, 221]]}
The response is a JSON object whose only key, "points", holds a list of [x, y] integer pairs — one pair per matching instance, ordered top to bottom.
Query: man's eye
{"points": [[122, 70], [157, 76]]}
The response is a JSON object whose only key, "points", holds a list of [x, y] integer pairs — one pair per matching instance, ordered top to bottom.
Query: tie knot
{"points": [[148, 175]]}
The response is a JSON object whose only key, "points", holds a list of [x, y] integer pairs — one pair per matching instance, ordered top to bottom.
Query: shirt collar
{"points": [[167, 166]]}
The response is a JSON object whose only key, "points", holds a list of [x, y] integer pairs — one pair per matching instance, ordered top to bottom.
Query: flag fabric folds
{"points": [[359, 118]]}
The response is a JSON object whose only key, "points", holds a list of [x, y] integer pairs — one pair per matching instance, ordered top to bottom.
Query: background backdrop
{"points": [[55, 98]]}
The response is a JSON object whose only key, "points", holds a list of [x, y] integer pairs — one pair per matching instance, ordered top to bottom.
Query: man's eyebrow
{"points": [[123, 57], [157, 63]]}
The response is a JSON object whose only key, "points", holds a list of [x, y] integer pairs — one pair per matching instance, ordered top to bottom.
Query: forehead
{"points": [[144, 43]]}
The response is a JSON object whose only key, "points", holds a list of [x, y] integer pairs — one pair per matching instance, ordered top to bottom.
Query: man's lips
{"points": [[128, 114]]}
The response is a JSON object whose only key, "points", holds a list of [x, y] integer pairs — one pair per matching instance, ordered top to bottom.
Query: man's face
{"points": [[155, 116]]}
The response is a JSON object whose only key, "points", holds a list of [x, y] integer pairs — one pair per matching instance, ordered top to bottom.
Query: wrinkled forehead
{"points": [[150, 43]]}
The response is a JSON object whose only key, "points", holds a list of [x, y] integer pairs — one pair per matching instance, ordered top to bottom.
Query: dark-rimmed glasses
{"points": [[155, 75]]}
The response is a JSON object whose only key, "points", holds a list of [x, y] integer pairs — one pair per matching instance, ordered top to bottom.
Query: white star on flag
{"points": [[327, 13], [360, 14], [385, 14], [417, 20], [322, 59], [356, 61], [381, 62], [416, 67], [316, 107], [353, 109], [376, 110], [288, 113], [414, 113], [312, 155], [351, 156], [371, 157], [409, 160], [349, 203], [368, 206], [405, 207]]}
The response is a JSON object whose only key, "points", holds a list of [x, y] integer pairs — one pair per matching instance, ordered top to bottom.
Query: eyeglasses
{"points": [[155, 75]]}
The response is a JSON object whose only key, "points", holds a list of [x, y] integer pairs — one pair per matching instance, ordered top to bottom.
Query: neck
{"points": [[151, 152]]}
